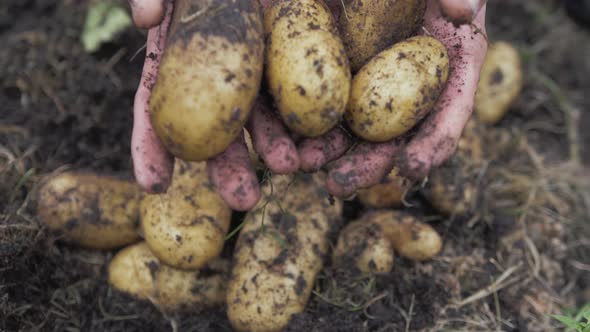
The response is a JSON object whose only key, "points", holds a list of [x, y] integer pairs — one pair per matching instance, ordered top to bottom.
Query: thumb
{"points": [[461, 11]]}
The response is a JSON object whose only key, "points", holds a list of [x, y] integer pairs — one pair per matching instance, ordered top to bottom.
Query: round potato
{"points": [[370, 26], [307, 68], [209, 76], [500, 82], [397, 88], [451, 188], [389, 193], [91, 211], [186, 226], [364, 246], [280, 251], [136, 271]]}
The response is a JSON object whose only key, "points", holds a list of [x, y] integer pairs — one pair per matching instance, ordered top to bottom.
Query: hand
{"points": [[437, 137], [231, 171]]}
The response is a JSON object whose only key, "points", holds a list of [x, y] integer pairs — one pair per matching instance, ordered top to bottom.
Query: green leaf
{"points": [[103, 22], [567, 321]]}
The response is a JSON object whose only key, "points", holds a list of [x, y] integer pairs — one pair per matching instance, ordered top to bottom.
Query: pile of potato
{"points": [[321, 72]]}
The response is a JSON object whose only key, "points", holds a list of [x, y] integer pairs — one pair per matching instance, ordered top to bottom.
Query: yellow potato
{"points": [[370, 26], [307, 68], [209, 76], [500, 82], [397, 88], [451, 188], [388, 193], [92, 211], [186, 226], [360, 242], [364, 246], [280, 251], [136, 271]]}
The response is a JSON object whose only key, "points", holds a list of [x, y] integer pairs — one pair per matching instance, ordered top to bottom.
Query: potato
{"points": [[370, 26], [307, 68], [209, 76], [500, 82], [397, 88], [451, 188], [388, 193], [91, 211], [185, 227], [362, 241], [364, 246], [280, 251], [136, 271]]}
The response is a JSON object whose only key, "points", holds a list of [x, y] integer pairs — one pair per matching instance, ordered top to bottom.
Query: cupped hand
{"points": [[436, 138], [231, 171]]}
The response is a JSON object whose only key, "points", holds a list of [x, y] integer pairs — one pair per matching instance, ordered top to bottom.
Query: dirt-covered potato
{"points": [[370, 26], [307, 67], [209, 76], [500, 82], [397, 88], [451, 188], [389, 193], [89, 210], [186, 226], [369, 242], [364, 246], [280, 251], [136, 271]]}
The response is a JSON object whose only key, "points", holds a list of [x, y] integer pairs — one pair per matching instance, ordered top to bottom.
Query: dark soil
{"points": [[61, 107]]}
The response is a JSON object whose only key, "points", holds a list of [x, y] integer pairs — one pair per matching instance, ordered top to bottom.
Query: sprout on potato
{"points": [[92, 211]]}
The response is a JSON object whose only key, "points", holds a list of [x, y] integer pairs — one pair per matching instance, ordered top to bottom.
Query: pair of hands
{"points": [[350, 169]]}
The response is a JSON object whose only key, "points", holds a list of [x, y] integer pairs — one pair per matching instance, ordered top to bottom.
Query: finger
{"points": [[461, 11], [147, 13], [438, 136], [271, 140], [314, 153], [151, 162], [363, 167], [234, 177]]}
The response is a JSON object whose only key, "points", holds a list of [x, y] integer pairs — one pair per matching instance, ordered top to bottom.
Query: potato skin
{"points": [[370, 26], [307, 67], [209, 76], [500, 82], [397, 88], [451, 188], [388, 193], [91, 211], [186, 226], [364, 246], [280, 251], [136, 271]]}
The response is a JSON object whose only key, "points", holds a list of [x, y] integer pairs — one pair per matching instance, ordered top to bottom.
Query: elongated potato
{"points": [[370, 26], [307, 68], [209, 76], [500, 82], [397, 88], [451, 188], [388, 193], [91, 211], [185, 227], [361, 242], [364, 246], [280, 251], [136, 271]]}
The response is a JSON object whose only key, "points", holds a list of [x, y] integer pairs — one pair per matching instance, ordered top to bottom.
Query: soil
{"points": [[61, 107]]}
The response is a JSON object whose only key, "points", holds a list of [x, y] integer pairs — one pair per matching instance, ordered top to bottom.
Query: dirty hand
{"points": [[437, 137], [231, 171]]}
